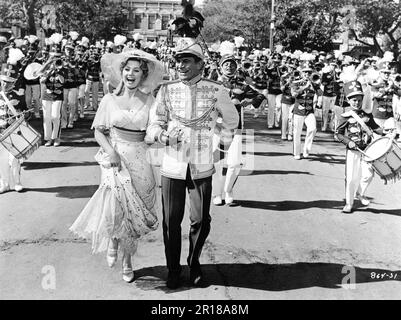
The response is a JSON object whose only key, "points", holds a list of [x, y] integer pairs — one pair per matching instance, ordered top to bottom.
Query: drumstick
{"points": [[17, 115], [365, 154]]}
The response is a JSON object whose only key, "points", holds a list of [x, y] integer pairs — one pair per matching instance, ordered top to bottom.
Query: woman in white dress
{"points": [[124, 207]]}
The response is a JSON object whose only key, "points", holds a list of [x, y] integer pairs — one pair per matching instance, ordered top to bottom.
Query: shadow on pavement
{"points": [[269, 154], [327, 158], [47, 165], [245, 172], [69, 192], [290, 205], [396, 212], [269, 277]]}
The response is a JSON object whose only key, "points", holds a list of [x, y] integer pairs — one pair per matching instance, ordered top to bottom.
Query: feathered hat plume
{"points": [[191, 22]]}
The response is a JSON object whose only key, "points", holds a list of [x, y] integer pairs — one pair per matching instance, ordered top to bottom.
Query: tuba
{"points": [[32, 68]]}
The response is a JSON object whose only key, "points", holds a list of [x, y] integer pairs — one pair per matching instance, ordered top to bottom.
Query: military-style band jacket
{"points": [[241, 94], [192, 108], [350, 130]]}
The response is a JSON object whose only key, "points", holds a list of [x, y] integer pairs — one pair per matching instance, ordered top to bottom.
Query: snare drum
{"points": [[20, 139], [385, 156]]}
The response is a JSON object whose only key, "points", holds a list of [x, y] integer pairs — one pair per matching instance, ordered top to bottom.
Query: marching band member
{"points": [[81, 76], [53, 78], [92, 78], [396, 78], [70, 83], [32, 87], [383, 90], [274, 92], [242, 95], [329, 96], [11, 101], [305, 102], [341, 102], [287, 103], [356, 132]]}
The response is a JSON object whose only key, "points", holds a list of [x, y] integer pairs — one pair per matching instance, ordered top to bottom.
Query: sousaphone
{"points": [[31, 71]]}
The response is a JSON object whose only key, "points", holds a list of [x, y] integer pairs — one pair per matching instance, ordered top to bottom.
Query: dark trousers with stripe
{"points": [[173, 198]]}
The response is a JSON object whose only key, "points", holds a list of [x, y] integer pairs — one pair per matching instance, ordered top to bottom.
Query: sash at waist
{"points": [[130, 135]]}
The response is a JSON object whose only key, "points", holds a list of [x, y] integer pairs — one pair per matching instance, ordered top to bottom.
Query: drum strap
{"points": [[9, 105], [360, 121]]}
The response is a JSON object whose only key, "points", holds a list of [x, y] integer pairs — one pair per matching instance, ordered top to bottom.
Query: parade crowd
{"points": [[191, 99]]}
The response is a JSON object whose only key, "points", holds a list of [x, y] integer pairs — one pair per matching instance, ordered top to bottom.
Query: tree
{"points": [[92, 18], [225, 19], [375, 20], [308, 24]]}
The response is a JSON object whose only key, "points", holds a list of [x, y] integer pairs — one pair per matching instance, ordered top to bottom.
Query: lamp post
{"points": [[272, 26]]}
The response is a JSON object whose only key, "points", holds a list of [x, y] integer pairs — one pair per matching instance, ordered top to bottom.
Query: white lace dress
{"points": [[124, 206]]}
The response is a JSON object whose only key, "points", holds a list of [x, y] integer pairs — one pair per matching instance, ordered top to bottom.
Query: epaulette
{"points": [[213, 81]]}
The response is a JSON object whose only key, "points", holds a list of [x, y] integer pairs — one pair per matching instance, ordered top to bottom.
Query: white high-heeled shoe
{"points": [[111, 257], [128, 273]]}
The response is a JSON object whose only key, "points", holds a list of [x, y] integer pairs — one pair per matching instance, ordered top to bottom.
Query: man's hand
{"points": [[352, 145]]}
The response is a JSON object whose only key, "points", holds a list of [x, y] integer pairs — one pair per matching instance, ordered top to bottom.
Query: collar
{"points": [[193, 81]]}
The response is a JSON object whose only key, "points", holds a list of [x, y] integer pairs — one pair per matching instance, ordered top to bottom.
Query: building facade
{"points": [[150, 18]]}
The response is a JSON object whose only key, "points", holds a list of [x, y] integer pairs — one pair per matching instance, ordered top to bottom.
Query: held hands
{"points": [[173, 139]]}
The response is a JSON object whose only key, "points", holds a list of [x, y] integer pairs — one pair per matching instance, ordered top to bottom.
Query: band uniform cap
{"points": [[188, 46], [276, 56], [226, 58], [306, 67], [352, 89]]}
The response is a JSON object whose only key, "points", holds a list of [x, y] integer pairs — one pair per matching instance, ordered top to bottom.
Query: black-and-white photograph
{"points": [[200, 150]]}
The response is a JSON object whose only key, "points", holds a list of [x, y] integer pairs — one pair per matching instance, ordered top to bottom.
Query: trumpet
{"points": [[315, 78]]}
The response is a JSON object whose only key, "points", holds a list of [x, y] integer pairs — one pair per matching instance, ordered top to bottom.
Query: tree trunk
{"points": [[30, 10]]}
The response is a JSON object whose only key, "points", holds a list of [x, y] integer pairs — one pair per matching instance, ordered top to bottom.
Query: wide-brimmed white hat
{"points": [[111, 67]]}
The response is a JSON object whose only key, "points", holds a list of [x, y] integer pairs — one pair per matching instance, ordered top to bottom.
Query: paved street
{"points": [[287, 239]]}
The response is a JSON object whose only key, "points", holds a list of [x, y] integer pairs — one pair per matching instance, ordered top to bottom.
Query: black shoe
{"points": [[196, 277], [173, 280]]}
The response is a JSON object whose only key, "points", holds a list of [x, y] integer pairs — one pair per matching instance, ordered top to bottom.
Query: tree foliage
{"points": [[92, 18], [225, 19], [305, 24], [378, 24]]}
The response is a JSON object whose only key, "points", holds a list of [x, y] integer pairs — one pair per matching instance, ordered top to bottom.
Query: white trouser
{"points": [[94, 85], [32, 96], [81, 98], [367, 102], [69, 106], [327, 106], [273, 110], [397, 111], [337, 115], [51, 119], [286, 120], [310, 122], [234, 158], [10, 170], [358, 176]]}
